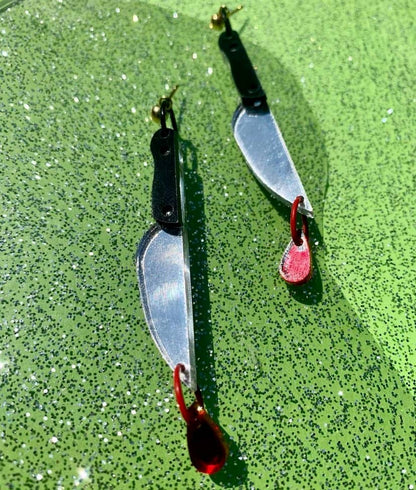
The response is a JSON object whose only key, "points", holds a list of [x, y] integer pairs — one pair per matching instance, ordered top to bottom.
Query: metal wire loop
{"points": [[166, 110], [296, 233], [177, 385]]}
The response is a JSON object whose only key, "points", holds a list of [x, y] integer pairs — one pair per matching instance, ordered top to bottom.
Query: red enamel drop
{"points": [[296, 264], [207, 447]]}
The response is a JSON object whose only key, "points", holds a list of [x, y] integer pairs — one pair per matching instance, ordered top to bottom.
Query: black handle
{"points": [[244, 75], [166, 202]]}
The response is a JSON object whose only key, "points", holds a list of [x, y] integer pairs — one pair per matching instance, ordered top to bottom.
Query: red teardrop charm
{"points": [[296, 264], [206, 444], [207, 447]]}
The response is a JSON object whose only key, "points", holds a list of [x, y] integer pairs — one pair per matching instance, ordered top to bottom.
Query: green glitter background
{"points": [[314, 387]]}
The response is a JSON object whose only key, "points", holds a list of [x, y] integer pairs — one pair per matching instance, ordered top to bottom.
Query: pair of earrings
{"points": [[163, 254]]}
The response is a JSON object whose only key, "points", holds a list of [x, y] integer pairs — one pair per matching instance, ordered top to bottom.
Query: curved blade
{"points": [[262, 145], [162, 264]]}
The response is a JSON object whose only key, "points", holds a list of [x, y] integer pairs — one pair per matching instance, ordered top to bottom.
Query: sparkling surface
{"points": [[314, 387]]}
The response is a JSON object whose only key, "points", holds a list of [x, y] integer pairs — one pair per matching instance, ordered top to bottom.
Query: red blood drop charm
{"points": [[296, 264], [207, 447]]}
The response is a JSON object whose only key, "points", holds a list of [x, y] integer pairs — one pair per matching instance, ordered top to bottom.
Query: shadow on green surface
{"points": [[7, 4], [199, 275], [235, 469]]}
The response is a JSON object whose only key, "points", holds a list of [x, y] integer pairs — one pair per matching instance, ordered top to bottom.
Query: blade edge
{"points": [[263, 163]]}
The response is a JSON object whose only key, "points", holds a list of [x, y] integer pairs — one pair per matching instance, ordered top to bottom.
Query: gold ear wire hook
{"points": [[217, 20], [167, 100]]}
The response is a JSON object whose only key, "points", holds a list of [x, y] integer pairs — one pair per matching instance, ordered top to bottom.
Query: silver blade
{"points": [[262, 145], [165, 288]]}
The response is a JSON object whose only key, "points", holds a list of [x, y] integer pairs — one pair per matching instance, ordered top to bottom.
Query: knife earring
{"points": [[262, 144], [162, 264]]}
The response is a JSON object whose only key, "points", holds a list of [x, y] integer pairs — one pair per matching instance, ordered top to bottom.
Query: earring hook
{"points": [[221, 17], [164, 108]]}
